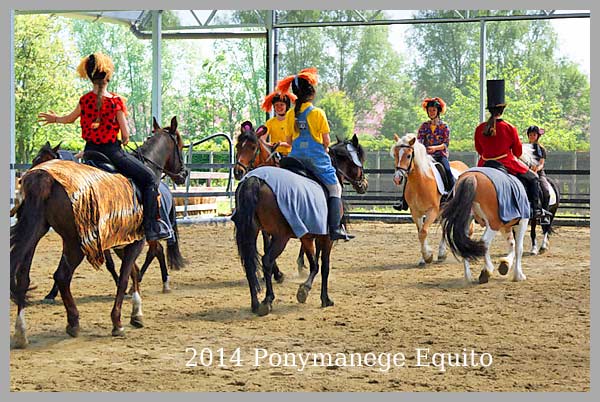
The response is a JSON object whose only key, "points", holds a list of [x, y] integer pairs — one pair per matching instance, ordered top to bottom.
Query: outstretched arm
{"points": [[51, 117]]}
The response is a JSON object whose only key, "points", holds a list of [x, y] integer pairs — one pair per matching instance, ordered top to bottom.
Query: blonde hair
{"points": [[99, 68]]}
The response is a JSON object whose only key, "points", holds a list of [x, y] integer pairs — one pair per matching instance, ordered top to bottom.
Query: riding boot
{"points": [[401, 205], [334, 219], [155, 228]]}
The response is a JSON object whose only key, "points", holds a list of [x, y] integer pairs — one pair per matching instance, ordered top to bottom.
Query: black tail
{"points": [[456, 217], [31, 225], [246, 227], [550, 229], [174, 257]]}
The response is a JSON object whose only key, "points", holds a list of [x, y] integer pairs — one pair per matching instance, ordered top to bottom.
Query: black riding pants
{"points": [[444, 161], [133, 168], [532, 187]]}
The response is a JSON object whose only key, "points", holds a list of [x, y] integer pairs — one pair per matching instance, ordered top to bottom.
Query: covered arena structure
{"points": [[266, 24]]}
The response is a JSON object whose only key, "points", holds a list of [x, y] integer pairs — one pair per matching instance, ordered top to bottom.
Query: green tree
{"points": [[340, 114]]}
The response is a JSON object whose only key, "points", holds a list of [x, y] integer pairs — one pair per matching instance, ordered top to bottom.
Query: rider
{"points": [[280, 103], [103, 119], [307, 126], [434, 134], [533, 134], [497, 140]]}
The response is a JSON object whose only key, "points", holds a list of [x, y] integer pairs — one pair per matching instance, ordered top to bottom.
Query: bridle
{"points": [[173, 136], [251, 163], [402, 171], [354, 182]]}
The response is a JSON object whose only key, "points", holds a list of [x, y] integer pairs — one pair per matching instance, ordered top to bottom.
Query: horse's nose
{"points": [[238, 173]]}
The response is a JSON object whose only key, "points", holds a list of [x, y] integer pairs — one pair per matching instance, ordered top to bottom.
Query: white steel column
{"points": [[156, 65], [482, 71]]}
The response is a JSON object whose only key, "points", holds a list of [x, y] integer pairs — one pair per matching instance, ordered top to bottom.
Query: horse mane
{"points": [[528, 155], [422, 159]]}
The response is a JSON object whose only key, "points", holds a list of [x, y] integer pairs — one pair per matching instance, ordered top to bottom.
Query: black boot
{"points": [[401, 205], [334, 219], [155, 228]]}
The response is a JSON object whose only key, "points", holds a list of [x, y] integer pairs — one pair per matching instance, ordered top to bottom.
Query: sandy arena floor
{"points": [[537, 332]]}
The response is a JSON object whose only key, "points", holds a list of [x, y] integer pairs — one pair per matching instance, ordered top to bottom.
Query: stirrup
{"points": [[401, 206], [158, 230], [340, 234]]}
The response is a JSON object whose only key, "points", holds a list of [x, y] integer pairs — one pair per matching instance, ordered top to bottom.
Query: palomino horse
{"points": [[252, 151], [421, 193], [475, 196], [47, 203], [257, 209], [174, 259]]}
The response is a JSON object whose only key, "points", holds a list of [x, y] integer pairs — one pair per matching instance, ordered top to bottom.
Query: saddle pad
{"points": [[438, 178], [512, 198], [301, 201], [107, 213]]}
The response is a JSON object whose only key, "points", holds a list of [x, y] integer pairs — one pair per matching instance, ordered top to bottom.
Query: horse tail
{"points": [[554, 208], [456, 217], [31, 225], [246, 227], [174, 257]]}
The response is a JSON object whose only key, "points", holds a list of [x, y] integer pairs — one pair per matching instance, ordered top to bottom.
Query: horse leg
{"points": [[308, 245], [325, 245], [534, 246], [276, 247], [426, 253], [129, 254], [72, 257], [507, 262], [110, 265], [301, 266], [164, 272], [486, 272], [277, 274], [518, 274], [51, 296]]}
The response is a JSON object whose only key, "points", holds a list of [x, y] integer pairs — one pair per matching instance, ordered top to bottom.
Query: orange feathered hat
{"points": [[96, 66], [309, 74], [278, 96], [437, 102]]}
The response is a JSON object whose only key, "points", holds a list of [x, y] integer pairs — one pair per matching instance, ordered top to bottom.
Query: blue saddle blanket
{"points": [[512, 197], [301, 201]]}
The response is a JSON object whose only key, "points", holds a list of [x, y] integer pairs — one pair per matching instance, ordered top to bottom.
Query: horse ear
{"points": [[174, 123], [155, 124], [246, 126], [261, 130], [396, 138], [338, 139], [355, 141], [412, 141], [48, 144], [57, 147]]}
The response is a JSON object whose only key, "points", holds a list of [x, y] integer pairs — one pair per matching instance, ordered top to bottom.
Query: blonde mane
{"points": [[422, 160]]}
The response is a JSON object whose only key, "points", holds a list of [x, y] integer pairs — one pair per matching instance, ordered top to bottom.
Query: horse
{"points": [[253, 151], [415, 167], [475, 196], [47, 203], [257, 209], [547, 229], [155, 248]]}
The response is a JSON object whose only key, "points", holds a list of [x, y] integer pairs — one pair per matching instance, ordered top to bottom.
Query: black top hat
{"points": [[495, 93]]}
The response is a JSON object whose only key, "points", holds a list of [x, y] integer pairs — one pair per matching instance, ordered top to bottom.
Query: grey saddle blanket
{"points": [[512, 198], [301, 201], [166, 203]]}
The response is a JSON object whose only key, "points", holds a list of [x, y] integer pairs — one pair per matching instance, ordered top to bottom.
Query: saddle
{"points": [[100, 161], [297, 166], [443, 175]]}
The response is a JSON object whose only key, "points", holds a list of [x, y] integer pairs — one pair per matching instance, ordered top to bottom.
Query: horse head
{"points": [[163, 151], [251, 151], [46, 153], [408, 153], [348, 158]]}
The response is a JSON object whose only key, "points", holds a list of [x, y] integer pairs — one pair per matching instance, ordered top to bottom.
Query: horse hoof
{"points": [[543, 250], [441, 258], [429, 259], [422, 264], [502, 268], [484, 277], [280, 278], [166, 289], [302, 293], [326, 303], [264, 309], [137, 322], [73, 331], [118, 331], [20, 342]]}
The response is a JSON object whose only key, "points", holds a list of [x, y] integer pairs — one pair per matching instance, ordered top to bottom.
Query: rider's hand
{"points": [[47, 118]]}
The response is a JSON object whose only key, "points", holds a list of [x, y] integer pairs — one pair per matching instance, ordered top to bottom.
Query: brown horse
{"points": [[252, 151], [415, 168], [475, 197], [47, 203], [257, 209], [173, 259]]}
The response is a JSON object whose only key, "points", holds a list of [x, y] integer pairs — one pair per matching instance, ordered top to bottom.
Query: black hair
{"points": [[303, 90]]}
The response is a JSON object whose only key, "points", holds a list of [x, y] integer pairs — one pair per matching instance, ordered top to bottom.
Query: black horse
{"points": [[46, 204], [257, 209], [547, 228], [173, 260]]}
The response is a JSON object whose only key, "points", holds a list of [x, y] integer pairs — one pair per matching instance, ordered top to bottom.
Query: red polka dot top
{"points": [[108, 129]]}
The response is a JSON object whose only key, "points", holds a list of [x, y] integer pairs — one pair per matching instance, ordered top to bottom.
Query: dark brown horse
{"points": [[46, 203], [257, 209], [173, 259]]}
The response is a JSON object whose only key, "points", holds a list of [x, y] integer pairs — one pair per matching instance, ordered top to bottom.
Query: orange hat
{"points": [[309, 74], [277, 96], [437, 102]]}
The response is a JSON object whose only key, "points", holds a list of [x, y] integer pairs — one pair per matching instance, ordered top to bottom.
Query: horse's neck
{"points": [[151, 151], [264, 154]]}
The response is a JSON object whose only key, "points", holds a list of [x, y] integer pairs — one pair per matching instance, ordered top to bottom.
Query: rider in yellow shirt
{"points": [[276, 127]]}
